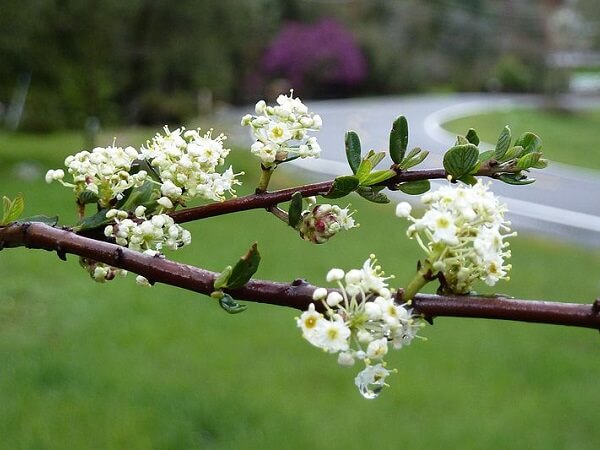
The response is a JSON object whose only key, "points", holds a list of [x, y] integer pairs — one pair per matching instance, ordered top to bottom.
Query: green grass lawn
{"points": [[570, 138], [117, 366]]}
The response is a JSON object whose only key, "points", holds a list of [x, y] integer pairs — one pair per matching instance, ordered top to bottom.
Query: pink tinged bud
{"points": [[320, 224]]}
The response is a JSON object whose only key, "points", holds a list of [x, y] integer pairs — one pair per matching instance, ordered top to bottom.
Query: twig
{"points": [[297, 294]]}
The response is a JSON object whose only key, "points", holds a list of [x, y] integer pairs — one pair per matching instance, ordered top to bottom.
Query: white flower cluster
{"points": [[281, 131], [186, 162], [103, 172], [321, 222], [462, 232], [149, 236], [361, 321]]}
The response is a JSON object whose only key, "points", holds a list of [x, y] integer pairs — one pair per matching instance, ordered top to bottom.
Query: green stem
{"points": [[265, 177], [421, 278]]}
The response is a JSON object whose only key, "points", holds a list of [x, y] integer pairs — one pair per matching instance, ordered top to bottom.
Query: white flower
{"points": [[281, 132], [403, 209], [463, 234], [335, 275], [319, 294], [334, 298], [311, 322], [358, 327], [333, 336], [377, 349]]}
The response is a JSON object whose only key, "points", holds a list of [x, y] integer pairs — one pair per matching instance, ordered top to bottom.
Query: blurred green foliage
{"points": [[148, 61]]}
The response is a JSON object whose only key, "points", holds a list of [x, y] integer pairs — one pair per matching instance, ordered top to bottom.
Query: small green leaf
{"points": [[472, 137], [399, 139], [461, 140], [530, 142], [503, 143], [353, 150], [513, 152], [486, 156], [375, 158], [417, 158], [460, 160], [528, 160], [541, 164], [364, 170], [378, 176], [469, 179], [515, 179], [342, 186], [415, 187], [372, 194], [145, 195], [87, 197], [6, 205], [12, 209], [295, 210], [51, 221], [95, 221], [244, 268], [223, 278], [230, 305]]}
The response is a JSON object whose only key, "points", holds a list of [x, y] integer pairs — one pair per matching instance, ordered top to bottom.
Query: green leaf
{"points": [[472, 137], [399, 139], [461, 140], [530, 142], [503, 143], [353, 150], [513, 152], [486, 156], [415, 157], [375, 158], [460, 160], [528, 160], [541, 164], [364, 170], [378, 176], [469, 179], [515, 179], [342, 186], [415, 187], [372, 194], [146, 195], [87, 197], [12, 209], [295, 210], [51, 221], [95, 221], [244, 268], [223, 278], [230, 305]]}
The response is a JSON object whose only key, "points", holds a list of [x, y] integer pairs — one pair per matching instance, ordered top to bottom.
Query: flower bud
{"points": [[321, 223]]}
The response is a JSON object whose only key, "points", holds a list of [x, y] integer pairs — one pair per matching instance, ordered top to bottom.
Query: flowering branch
{"points": [[265, 199], [298, 293]]}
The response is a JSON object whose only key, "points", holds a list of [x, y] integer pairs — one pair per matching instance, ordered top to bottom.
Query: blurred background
{"points": [[151, 62], [115, 366]]}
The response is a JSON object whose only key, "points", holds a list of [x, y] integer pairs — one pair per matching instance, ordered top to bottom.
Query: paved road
{"points": [[563, 202]]}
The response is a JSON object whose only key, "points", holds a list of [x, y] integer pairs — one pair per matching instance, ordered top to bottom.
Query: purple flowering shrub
{"points": [[317, 56]]}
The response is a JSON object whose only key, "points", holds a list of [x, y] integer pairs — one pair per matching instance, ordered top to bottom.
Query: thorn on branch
{"points": [[61, 253], [299, 282], [596, 307], [428, 319]]}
